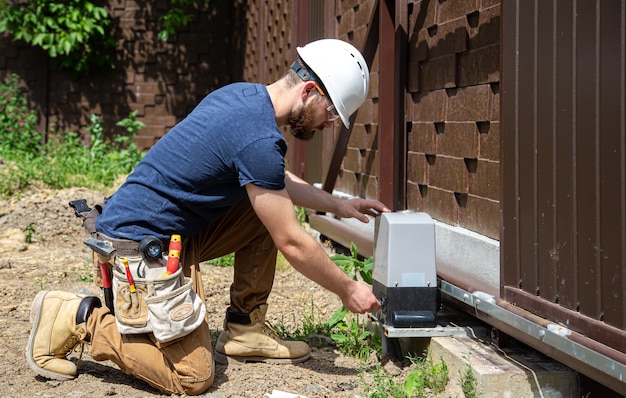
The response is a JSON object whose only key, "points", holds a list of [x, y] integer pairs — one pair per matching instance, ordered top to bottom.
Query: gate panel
{"points": [[564, 163]]}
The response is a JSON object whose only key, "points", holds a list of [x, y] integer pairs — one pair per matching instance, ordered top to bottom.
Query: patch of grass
{"points": [[63, 161], [224, 261], [229, 261], [281, 262], [85, 274], [307, 325], [353, 339], [427, 377], [425, 380], [378, 383]]}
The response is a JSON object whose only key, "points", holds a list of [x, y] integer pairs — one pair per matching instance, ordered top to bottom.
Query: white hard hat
{"points": [[343, 72]]}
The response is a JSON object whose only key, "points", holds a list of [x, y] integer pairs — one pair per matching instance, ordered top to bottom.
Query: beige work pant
{"points": [[185, 366]]}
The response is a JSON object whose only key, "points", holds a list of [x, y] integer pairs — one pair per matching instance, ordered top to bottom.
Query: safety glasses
{"points": [[332, 112]]}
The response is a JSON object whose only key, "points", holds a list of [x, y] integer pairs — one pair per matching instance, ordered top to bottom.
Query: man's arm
{"points": [[306, 195], [275, 209]]}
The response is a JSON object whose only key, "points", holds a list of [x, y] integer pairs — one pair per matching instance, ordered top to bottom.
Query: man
{"points": [[218, 179]]}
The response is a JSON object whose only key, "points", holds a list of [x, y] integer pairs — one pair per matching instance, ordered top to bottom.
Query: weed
{"points": [[18, 124], [63, 161], [301, 215], [29, 231], [353, 266], [85, 274], [42, 283], [308, 326], [353, 339], [428, 376], [427, 379], [469, 383], [379, 384]]}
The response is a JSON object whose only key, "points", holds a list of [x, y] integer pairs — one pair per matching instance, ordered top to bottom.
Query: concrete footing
{"points": [[513, 373]]}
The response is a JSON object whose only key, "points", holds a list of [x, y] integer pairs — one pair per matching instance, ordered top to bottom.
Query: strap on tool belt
{"points": [[87, 214], [124, 247]]}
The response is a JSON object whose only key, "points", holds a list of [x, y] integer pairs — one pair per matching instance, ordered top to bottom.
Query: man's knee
{"points": [[198, 387]]}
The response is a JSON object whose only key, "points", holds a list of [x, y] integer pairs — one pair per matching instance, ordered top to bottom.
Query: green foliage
{"points": [[175, 17], [75, 31], [18, 124], [19, 139], [127, 155], [63, 161], [73, 164], [300, 215], [29, 231], [228, 260], [224, 261], [353, 266], [85, 274], [308, 326], [351, 336], [353, 339], [428, 376], [426, 380], [469, 382], [379, 384]]}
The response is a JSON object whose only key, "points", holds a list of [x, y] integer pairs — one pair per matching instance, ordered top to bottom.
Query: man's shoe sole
{"points": [[35, 318], [224, 359]]}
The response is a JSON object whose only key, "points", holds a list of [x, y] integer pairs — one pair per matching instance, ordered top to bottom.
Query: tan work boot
{"points": [[59, 322], [246, 338]]}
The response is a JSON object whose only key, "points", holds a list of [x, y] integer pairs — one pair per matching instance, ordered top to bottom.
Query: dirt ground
{"points": [[56, 259]]}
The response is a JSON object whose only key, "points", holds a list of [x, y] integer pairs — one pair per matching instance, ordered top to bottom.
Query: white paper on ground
{"points": [[282, 394]]}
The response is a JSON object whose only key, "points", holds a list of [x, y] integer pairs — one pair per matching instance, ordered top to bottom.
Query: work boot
{"points": [[59, 322], [247, 338]]}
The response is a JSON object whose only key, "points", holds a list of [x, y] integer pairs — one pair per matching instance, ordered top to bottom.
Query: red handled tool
{"points": [[104, 252], [173, 257], [129, 276]]}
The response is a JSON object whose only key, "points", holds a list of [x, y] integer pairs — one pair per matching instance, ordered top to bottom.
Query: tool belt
{"points": [[167, 306]]}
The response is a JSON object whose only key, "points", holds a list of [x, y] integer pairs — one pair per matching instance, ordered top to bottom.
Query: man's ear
{"points": [[308, 88]]}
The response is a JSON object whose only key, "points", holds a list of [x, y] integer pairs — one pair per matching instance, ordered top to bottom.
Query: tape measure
{"points": [[151, 248]]}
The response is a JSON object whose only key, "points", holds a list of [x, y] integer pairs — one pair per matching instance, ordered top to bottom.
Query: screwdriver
{"points": [[129, 276]]}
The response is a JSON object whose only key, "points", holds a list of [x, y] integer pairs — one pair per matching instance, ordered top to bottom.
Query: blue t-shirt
{"points": [[199, 169]]}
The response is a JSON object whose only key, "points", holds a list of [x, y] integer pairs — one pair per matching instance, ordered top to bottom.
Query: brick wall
{"points": [[453, 111]]}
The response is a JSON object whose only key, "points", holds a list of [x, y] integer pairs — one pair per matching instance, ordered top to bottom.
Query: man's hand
{"points": [[305, 195], [358, 208], [275, 209], [360, 299]]}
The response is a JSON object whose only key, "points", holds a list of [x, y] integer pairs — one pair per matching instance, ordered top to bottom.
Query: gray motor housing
{"points": [[405, 275]]}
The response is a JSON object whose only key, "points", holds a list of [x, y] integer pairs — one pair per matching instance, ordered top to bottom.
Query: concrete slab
{"points": [[516, 373]]}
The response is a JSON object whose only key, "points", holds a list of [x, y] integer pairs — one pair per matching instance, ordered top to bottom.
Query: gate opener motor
{"points": [[404, 275]]}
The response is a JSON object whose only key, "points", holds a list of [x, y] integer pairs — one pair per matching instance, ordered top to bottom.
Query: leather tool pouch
{"points": [[167, 306]]}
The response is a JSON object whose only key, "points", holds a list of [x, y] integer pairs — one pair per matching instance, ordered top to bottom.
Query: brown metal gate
{"points": [[563, 241]]}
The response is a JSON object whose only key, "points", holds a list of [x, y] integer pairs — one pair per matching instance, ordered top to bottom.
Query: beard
{"points": [[301, 122]]}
